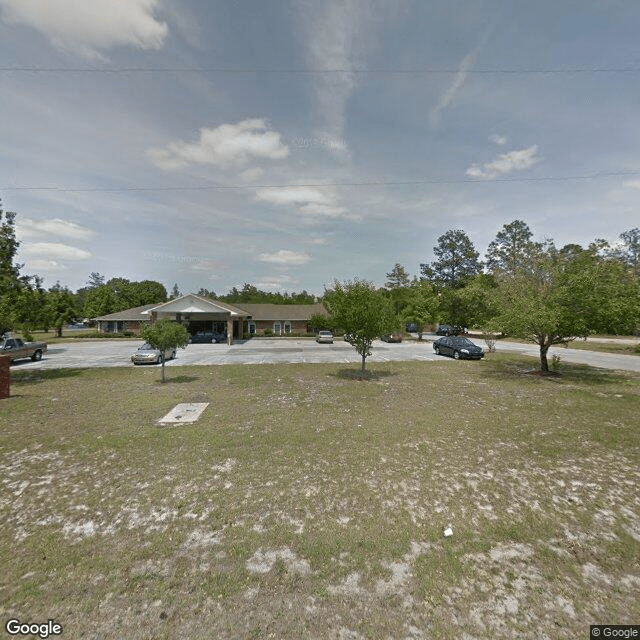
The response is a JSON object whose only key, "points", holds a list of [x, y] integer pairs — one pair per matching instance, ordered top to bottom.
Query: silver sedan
{"points": [[146, 354]]}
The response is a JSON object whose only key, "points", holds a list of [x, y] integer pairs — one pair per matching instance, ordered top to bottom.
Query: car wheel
{"points": [[437, 350], [173, 355], [456, 355], [37, 356]]}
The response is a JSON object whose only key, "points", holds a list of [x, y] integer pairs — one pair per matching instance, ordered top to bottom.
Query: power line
{"points": [[301, 71], [319, 185]]}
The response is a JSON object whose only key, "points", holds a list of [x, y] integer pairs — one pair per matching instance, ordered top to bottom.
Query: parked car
{"points": [[77, 325], [411, 327], [448, 330], [208, 337], [325, 337], [391, 337], [458, 347], [16, 349], [146, 354]]}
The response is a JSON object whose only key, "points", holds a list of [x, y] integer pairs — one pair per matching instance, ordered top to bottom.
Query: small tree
{"points": [[421, 305], [362, 312], [165, 334]]}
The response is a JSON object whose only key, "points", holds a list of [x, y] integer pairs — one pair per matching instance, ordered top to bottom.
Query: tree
{"points": [[511, 250], [629, 250], [457, 261], [397, 283], [12, 284], [175, 292], [205, 293], [560, 296], [421, 305], [471, 305], [60, 307], [362, 312], [320, 322], [165, 334]]}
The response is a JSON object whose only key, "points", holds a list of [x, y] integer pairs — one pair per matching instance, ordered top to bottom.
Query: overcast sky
{"points": [[287, 143]]}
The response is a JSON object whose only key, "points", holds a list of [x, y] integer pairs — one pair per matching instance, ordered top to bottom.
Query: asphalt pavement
{"points": [[117, 353]]}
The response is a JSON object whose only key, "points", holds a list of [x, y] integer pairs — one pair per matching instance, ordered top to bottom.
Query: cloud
{"points": [[86, 28], [339, 35], [466, 64], [498, 139], [225, 146], [506, 163], [249, 175], [631, 184], [313, 203], [27, 228], [54, 251], [285, 257], [46, 266], [276, 283]]}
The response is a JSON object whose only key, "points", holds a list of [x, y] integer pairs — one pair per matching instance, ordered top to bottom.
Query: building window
{"points": [[287, 327], [276, 328]]}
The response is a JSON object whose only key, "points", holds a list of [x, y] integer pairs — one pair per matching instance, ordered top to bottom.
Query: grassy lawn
{"points": [[308, 504]]}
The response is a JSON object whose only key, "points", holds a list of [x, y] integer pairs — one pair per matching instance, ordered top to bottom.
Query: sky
{"points": [[290, 143]]}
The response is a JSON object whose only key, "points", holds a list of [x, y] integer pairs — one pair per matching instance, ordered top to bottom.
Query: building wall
{"points": [[297, 326]]}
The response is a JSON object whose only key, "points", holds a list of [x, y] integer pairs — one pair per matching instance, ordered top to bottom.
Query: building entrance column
{"points": [[229, 331]]}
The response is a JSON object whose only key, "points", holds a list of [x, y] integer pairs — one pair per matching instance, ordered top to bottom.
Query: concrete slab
{"points": [[184, 413]]}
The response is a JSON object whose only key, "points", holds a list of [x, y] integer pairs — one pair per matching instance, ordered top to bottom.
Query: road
{"points": [[116, 353]]}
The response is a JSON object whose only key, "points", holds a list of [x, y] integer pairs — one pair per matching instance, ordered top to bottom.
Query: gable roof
{"points": [[191, 303], [283, 311], [137, 313]]}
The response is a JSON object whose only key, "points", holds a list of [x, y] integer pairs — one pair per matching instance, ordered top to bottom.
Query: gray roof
{"points": [[255, 311], [282, 311], [129, 314]]}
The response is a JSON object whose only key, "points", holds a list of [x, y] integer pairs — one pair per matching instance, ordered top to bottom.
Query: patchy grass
{"points": [[307, 504]]}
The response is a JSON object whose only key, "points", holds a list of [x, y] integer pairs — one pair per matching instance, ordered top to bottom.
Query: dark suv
{"points": [[448, 330]]}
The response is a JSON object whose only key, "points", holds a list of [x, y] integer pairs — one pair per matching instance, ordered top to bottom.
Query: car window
{"points": [[145, 346]]}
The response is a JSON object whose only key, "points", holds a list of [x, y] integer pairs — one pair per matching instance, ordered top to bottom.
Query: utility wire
{"points": [[302, 71], [372, 183]]}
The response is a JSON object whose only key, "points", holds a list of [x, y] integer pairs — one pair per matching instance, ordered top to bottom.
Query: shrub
{"points": [[27, 336]]}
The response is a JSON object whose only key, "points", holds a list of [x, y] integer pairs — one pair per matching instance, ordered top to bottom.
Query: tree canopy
{"points": [[457, 261], [362, 312], [165, 334]]}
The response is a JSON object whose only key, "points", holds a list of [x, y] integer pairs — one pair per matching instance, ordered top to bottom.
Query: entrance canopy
{"points": [[200, 314]]}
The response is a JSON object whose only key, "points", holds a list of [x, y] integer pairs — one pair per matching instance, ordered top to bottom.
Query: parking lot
{"points": [[117, 353]]}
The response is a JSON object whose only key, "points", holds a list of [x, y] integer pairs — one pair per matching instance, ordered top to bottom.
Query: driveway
{"points": [[116, 353]]}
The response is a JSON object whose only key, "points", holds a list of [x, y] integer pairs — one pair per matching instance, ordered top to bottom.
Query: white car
{"points": [[325, 337], [146, 354]]}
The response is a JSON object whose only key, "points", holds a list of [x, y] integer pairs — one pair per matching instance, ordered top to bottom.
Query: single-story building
{"points": [[202, 314]]}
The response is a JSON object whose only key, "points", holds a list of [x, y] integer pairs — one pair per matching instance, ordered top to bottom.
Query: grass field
{"points": [[306, 503]]}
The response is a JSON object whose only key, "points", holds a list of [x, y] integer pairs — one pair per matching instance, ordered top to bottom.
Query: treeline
{"points": [[534, 290]]}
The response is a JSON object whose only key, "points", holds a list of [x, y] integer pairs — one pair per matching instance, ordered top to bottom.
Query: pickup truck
{"points": [[18, 350]]}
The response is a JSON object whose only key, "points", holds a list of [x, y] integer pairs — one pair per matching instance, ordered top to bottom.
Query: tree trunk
{"points": [[363, 359], [544, 365], [162, 369]]}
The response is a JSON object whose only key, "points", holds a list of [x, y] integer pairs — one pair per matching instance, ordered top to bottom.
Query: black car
{"points": [[448, 330], [208, 337], [458, 348]]}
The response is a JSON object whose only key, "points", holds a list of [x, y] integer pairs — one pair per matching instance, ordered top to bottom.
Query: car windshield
{"points": [[325, 333], [145, 347]]}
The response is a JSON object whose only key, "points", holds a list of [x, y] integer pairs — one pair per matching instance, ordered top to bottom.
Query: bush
{"points": [[267, 332], [27, 336]]}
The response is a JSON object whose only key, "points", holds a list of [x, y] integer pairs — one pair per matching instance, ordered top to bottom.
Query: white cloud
{"points": [[86, 27], [498, 139], [224, 146], [506, 163], [249, 175], [631, 184], [295, 195], [313, 203], [27, 228], [54, 251], [285, 257], [45, 266], [276, 283]]}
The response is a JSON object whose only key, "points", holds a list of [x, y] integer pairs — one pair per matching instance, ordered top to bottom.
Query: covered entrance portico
{"points": [[199, 314]]}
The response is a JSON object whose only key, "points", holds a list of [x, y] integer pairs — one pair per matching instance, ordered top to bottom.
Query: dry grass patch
{"points": [[305, 504]]}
